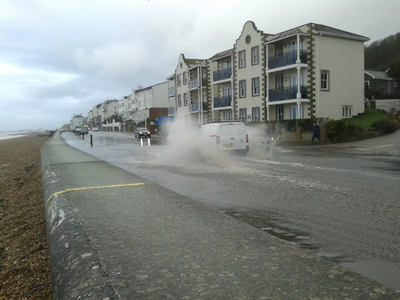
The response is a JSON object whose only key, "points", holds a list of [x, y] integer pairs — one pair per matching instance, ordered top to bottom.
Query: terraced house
{"points": [[314, 71], [308, 72], [188, 86]]}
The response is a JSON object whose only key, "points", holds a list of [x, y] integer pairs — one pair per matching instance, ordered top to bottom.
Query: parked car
{"points": [[95, 129], [83, 130], [142, 132], [227, 136]]}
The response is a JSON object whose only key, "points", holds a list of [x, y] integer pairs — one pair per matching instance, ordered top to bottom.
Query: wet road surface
{"points": [[343, 208]]}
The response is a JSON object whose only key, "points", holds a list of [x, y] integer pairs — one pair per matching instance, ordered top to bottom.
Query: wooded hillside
{"points": [[380, 54]]}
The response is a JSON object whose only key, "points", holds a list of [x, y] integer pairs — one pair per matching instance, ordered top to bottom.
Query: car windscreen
{"points": [[142, 129]]}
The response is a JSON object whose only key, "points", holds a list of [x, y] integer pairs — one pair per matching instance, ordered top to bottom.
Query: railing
{"points": [[286, 59], [222, 74], [193, 84], [171, 91], [287, 93], [223, 101], [195, 107], [171, 110]]}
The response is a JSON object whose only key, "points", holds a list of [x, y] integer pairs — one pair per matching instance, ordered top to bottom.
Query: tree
{"points": [[394, 70]]}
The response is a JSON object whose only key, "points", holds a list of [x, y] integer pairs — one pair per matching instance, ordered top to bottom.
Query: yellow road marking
{"points": [[92, 188]]}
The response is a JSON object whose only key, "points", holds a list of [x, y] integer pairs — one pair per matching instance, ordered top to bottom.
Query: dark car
{"points": [[142, 132]]}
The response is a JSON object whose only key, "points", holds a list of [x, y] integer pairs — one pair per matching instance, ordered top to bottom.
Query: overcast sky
{"points": [[59, 58]]}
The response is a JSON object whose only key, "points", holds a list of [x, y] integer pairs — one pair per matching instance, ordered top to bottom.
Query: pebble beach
{"points": [[24, 257]]}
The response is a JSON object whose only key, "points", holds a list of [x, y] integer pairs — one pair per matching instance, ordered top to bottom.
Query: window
{"points": [[279, 49], [255, 51], [242, 59], [226, 64], [184, 77], [325, 80], [178, 81], [279, 82], [255, 83], [242, 88], [185, 99], [179, 100], [347, 111], [243, 113], [279, 113], [256, 114], [294, 114], [227, 115]]}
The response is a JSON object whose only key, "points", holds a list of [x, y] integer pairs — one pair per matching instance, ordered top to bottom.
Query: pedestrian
{"points": [[316, 133]]}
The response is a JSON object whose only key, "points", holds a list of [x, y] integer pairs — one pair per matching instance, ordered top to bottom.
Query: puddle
{"points": [[267, 224], [382, 272]]}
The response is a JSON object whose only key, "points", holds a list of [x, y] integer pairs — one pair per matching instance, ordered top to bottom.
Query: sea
{"points": [[12, 135]]}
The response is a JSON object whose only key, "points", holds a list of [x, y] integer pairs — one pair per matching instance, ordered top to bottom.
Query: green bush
{"points": [[306, 124], [385, 126], [331, 129], [342, 131]]}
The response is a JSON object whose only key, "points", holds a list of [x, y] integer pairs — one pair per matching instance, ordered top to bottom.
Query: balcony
{"points": [[286, 59], [222, 74], [194, 84], [171, 91], [287, 93], [224, 101], [195, 107], [171, 110]]}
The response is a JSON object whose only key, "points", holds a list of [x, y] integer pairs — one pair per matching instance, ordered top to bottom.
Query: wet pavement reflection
{"points": [[345, 209]]}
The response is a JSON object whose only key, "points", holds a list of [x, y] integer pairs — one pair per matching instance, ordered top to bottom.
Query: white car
{"points": [[227, 136], [263, 140]]}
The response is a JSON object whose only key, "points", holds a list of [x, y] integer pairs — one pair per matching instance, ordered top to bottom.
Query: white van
{"points": [[229, 136]]}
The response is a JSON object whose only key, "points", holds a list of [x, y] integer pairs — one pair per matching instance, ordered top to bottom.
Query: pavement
{"points": [[386, 147], [115, 235]]}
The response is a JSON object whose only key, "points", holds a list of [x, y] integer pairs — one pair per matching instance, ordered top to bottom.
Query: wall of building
{"points": [[249, 38], [344, 59]]}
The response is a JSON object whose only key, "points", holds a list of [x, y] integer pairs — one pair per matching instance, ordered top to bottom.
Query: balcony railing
{"points": [[286, 59], [222, 74], [193, 84], [171, 91], [287, 93], [223, 101], [195, 107], [171, 110]]}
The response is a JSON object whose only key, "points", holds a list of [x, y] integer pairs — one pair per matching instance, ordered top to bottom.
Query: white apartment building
{"points": [[314, 71], [221, 86], [171, 88], [77, 121]]}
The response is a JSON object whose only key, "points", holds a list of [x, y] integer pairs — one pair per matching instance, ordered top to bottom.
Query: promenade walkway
{"points": [[114, 235]]}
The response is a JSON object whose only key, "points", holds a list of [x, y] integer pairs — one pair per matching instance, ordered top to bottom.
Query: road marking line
{"points": [[92, 188]]}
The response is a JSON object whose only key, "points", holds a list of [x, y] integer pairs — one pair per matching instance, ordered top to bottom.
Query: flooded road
{"points": [[345, 209]]}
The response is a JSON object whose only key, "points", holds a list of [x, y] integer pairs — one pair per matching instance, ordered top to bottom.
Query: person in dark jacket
{"points": [[316, 133]]}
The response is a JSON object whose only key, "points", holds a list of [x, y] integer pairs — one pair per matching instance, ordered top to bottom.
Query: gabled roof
{"points": [[321, 30], [334, 32], [286, 34], [222, 54], [378, 75]]}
